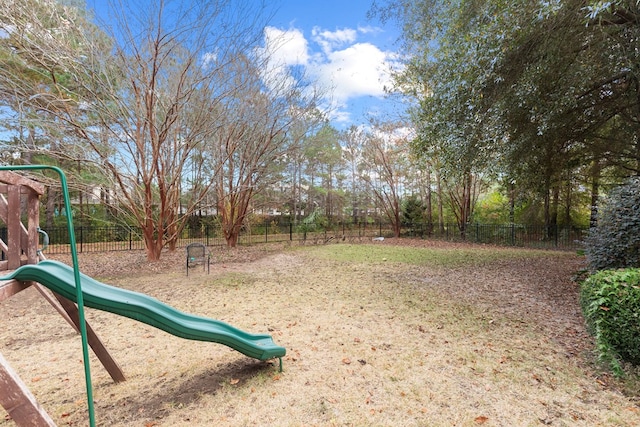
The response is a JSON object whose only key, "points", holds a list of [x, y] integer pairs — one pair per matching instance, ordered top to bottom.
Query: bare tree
{"points": [[141, 94], [300, 135], [353, 141], [251, 144], [385, 159], [462, 195]]}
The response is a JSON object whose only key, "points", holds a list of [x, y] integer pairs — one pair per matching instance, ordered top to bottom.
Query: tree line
{"points": [[540, 97], [521, 112]]}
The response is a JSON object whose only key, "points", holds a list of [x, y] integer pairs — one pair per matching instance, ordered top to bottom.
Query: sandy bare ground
{"points": [[370, 341]]}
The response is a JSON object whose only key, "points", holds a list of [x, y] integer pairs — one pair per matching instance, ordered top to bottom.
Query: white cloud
{"points": [[369, 30], [330, 40], [286, 47], [282, 50], [209, 58], [350, 69], [359, 70]]}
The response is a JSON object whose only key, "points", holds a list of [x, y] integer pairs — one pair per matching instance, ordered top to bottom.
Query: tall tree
{"points": [[539, 85], [142, 101], [353, 142], [250, 145], [325, 159], [384, 159]]}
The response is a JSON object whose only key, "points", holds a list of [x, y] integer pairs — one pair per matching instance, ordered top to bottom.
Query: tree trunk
{"points": [[595, 193], [52, 195], [428, 202], [440, 203], [512, 203], [567, 204], [551, 205], [396, 218], [232, 237], [152, 240], [172, 244]]}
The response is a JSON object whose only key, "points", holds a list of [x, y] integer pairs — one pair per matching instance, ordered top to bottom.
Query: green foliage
{"points": [[526, 100], [492, 208], [412, 210], [316, 220], [615, 242], [611, 305]]}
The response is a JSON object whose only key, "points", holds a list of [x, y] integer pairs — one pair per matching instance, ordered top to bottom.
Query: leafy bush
{"points": [[412, 211], [615, 242], [611, 305]]}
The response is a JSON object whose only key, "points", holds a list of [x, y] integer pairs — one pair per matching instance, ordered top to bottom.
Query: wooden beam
{"points": [[13, 178], [4, 207], [33, 215], [14, 228], [12, 287], [92, 338], [18, 401]]}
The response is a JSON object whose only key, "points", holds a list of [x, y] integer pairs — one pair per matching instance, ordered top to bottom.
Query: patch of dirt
{"points": [[123, 263], [368, 343]]}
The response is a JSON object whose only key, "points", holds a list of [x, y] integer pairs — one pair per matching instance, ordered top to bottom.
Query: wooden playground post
{"points": [[20, 239], [22, 248], [18, 400]]}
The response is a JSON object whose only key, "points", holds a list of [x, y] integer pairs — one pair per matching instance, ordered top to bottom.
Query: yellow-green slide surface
{"points": [[59, 278]]}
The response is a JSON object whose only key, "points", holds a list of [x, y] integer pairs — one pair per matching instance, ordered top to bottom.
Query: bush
{"points": [[412, 211], [615, 242], [610, 303]]}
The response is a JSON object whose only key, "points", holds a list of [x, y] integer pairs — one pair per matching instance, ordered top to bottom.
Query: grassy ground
{"points": [[383, 334]]}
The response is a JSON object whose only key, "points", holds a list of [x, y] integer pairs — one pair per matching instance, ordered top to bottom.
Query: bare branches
{"points": [[139, 96]]}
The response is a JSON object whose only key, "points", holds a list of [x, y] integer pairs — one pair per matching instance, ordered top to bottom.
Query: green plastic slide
{"points": [[59, 278]]}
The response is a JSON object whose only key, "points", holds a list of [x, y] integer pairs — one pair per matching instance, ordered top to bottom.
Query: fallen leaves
{"points": [[343, 356]]}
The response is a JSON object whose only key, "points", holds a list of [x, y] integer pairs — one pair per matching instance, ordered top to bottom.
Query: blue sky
{"points": [[335, 43], [336, 46]]}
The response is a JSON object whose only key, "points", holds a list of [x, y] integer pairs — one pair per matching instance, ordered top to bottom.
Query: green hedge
{"points": [[610, 302]]}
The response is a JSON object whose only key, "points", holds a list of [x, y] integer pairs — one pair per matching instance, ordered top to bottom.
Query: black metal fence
{"points": [[528, 236], [102, 239]]}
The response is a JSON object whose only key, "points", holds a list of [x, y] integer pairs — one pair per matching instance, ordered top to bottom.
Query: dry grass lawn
{"points": [[399, 333]]}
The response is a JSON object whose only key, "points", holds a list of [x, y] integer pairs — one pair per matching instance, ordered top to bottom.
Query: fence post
{"points": [[380, 224], [290, 231], [206, 233], [513, 234], [81, 239], [130, 240]]}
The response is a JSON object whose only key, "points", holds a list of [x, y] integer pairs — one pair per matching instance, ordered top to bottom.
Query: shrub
{"points": [[412, 211], [615, 241], [610, 302]]}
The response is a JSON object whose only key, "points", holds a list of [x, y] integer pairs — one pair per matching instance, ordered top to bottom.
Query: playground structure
{"points": [[68, 291]]}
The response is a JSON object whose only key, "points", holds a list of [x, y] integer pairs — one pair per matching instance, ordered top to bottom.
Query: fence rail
{"points": [[102, 239]]}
